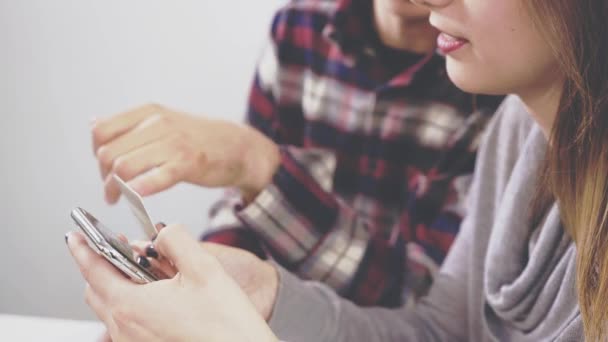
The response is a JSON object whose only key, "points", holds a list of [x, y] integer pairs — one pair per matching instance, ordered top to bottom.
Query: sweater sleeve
{"points": [[310, 311]]}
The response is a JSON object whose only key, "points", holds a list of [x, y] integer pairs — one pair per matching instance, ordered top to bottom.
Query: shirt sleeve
{"points": [[311, 232], [314, 234]]}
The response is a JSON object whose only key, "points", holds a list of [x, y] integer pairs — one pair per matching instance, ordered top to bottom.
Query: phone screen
{"points": [[111, 238]]}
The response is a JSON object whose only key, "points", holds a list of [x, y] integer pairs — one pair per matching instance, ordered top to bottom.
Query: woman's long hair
{"points": [[577, 161]]}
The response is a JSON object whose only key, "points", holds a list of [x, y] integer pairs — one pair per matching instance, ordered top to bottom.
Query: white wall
{"points": [[63, 62]]}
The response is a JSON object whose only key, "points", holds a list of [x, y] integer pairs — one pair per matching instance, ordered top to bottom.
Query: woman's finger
{"points": [[139, 247], [182, 250], [153, 259], [162, 268], [103, 277], [100, 309], [123, 323], [105, 337]]}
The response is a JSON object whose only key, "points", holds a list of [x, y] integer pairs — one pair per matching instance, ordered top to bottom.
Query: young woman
{"points": [[531, 261]]}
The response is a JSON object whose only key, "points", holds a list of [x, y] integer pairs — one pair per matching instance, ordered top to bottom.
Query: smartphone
{"points": [[107, 244]]}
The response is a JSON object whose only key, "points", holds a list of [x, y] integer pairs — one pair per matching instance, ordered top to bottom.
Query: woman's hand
{"points": [[154, 148], [258, 279], [200, 303]]}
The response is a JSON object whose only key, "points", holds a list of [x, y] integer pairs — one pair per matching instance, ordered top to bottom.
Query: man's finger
{"points": [[151, 129], [105, 130], [137, 162], [159, 178]]}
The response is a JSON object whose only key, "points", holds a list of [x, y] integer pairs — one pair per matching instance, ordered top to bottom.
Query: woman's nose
{"points": [[431, 4]]}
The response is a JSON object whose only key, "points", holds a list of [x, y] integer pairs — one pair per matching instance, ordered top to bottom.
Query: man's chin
{"points": [[406, 9]]}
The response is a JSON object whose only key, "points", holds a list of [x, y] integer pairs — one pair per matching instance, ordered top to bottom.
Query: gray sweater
{"points": [[502, 280]]}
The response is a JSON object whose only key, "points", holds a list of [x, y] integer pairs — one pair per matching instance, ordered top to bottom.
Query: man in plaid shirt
{"points": [[376, 147]]}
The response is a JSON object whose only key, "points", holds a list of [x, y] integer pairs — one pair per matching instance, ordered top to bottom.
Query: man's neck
{"points": [[415, 35]]}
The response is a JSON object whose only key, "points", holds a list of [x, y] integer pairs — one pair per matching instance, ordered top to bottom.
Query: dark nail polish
{"points": [[66, 238], [151, 252], [143, 262]]}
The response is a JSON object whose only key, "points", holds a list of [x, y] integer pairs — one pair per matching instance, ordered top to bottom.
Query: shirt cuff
{"points": [[297, 209]]}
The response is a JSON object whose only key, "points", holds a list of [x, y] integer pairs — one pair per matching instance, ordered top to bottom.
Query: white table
{"points": [[34, 329]]}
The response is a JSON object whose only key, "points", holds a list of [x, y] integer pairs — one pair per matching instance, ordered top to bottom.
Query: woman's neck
{"points": [[543, 103]]}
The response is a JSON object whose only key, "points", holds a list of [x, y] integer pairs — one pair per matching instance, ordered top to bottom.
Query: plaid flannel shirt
{"points": [[376, 148]]}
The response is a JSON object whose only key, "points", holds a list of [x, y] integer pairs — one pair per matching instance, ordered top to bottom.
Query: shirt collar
{"points": [[348, 28]]}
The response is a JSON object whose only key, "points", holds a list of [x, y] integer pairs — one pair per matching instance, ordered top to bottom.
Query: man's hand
{"points": [[154, 148]]}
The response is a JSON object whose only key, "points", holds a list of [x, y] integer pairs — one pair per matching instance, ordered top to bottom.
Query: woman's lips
{"points": [[447, 43]]}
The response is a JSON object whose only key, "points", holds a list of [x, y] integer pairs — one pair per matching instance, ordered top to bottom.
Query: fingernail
{"points": [[66, 238], [151, 252], [143, 262]]}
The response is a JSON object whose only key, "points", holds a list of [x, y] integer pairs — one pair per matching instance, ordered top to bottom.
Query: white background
{"points": [[63, 62]]}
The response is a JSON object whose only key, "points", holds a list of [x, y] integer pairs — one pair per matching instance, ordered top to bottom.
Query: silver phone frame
{"points": [[103, 248]]}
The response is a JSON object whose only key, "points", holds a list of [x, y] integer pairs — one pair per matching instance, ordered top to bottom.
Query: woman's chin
{"points": [[472, 80]]}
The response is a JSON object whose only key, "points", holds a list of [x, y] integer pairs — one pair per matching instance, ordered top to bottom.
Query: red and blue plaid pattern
{"points": [[376, 149]]}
